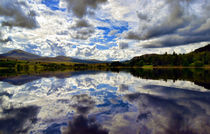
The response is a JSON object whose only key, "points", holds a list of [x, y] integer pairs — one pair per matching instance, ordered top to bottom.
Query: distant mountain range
{"points": [[22, 55]]}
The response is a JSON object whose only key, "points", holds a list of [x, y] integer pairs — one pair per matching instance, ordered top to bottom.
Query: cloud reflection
{"points": [[118, 102], [83, 104], [188, 112], [18, 120], [82, 125]]}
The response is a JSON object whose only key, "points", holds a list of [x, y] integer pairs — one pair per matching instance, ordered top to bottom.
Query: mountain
{"points": [[203, 49], [19, 55], [22, 55]]}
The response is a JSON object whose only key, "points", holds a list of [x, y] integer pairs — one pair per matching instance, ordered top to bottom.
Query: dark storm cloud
{"points": [[80, 7], [15, 15], [142, 16], [175, 20], [180, 21], [81, 23], [82, 30], [83, 34], [132, 36], [169, 41], [123, 45], [18, 120], [83, 125]]}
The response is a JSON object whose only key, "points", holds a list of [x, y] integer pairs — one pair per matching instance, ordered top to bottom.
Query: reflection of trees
{"points": [[200, 77]]}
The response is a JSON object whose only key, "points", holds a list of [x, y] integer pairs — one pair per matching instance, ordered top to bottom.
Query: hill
{"points": [[203, 49], [22, 55], [198, 57]]}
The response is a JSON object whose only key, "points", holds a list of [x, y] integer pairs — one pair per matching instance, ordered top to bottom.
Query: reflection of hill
{"points": [[17, 78]]}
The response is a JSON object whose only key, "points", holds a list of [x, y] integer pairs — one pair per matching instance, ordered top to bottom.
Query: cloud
{"points": [[82, 7], [17, 14], [142, 16], [174, 22], [81, 23], [151, 24], [82, 30], [113, 32], [131, 35], [4, 40], [176, 40], [123, 45]]}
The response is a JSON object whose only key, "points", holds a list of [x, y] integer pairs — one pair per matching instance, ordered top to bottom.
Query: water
{"points": [[117, 102]]}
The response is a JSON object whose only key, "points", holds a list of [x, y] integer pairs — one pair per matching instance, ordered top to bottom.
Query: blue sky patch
{"points": [[52, 4], [109, 40]]}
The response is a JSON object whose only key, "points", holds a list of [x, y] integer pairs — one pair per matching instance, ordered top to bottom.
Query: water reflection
{"points": [[199, 76], [104, 102], [84, 104], [178, 115], [18, 120], [83, 125]]}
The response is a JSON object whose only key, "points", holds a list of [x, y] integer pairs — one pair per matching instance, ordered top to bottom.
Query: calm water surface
{"points": [[103, 102]]}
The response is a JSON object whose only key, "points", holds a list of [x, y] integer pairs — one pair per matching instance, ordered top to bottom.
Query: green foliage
{"points": [[190, 59], [7, 63], [140, 63], [198, 63]]}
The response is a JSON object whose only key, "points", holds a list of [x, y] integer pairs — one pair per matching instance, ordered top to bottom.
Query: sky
{"points": [[104, 29]]}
